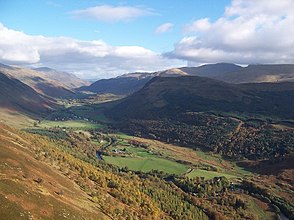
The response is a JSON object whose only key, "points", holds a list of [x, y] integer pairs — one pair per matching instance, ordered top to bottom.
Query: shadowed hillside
{"points": [[117, 86], [17, 96], [165, 97]]}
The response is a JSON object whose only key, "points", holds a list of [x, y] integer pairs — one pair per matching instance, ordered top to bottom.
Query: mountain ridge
{"points": [[129, 83]]}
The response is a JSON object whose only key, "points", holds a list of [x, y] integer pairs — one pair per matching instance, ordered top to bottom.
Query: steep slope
{"points": [[69, 80], [38, 81], [17, 96], [164, 97], [60, 177], [31, 189]]}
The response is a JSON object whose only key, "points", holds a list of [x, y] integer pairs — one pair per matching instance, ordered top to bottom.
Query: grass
{"points": [[15, 119], [70, 124], [139, 159], [146, 164], [208, 174], [261, 212]]}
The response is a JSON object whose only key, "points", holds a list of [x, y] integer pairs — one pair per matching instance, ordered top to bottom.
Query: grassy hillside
{"points": [[31, 189]]}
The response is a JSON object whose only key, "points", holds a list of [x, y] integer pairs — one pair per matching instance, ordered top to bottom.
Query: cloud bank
{"points": [[250, 31], [85, 58]]}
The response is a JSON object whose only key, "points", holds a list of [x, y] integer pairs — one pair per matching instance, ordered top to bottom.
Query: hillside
{"points": [[69, 80], [38, 81], [17, 96], [165, 97], [229, 119], [60, 177], [32, 189]]}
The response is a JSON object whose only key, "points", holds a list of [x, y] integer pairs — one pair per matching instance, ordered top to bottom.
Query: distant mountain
{"points": [[211, 70], [227, 72], [260, 73], [236, 74], [68, 79], [39, 81], [128, 83], [122, 85], [17, 96], [166, 97]]}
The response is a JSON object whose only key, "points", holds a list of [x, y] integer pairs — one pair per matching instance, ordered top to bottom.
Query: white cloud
{"points": [[108, 13], [199, 25], [164, 28], [250, 31], [88, 59]]}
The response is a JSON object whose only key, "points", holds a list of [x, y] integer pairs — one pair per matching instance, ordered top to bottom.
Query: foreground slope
{"points": [[60, 177], [31, 189]]}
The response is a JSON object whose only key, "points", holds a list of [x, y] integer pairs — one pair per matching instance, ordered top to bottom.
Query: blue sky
{"points": [[53, 18], [102, 39]]}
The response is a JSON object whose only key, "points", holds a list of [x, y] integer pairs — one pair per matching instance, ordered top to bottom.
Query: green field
{"points": [[70, 124], [139, 159], [147, 164], [208, 174]]}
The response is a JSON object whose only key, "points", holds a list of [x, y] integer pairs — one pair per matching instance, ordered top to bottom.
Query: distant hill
{"points": [[211, 70], [227, 72], [260, 73], [236, 74], [68, 79], [38, 81], [128, 83], [122, 85], [19, 97], [166, 97]]}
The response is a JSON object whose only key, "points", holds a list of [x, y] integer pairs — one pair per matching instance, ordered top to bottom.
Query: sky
{"points": [[102, 39]]}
